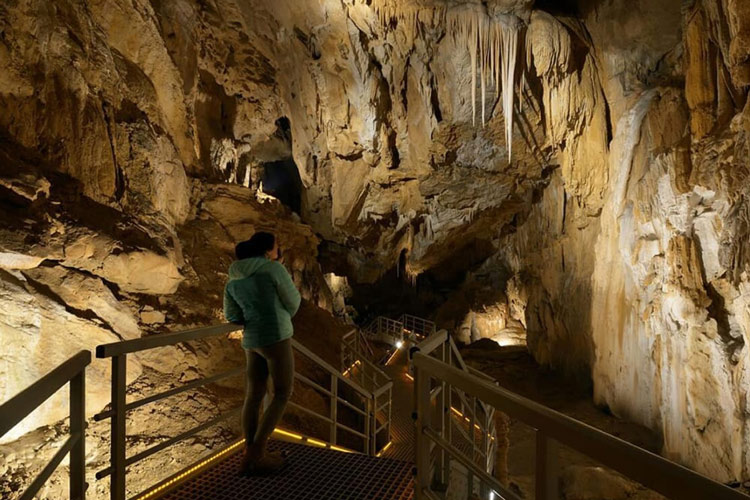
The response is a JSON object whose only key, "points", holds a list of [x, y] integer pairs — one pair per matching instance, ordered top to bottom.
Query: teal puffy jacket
{"points": [[261, 295]]}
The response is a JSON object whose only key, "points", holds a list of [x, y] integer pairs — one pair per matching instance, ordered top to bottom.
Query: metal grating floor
{"points": [[402, 430], [312, 474]]}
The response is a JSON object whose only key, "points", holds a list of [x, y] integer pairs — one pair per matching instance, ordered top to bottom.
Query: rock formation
{"points": [[591, 191]]}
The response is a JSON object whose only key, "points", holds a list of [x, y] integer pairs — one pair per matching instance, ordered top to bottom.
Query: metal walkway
{"points": [[402, 432], [316, 473], [312, 474], [319, 474]]}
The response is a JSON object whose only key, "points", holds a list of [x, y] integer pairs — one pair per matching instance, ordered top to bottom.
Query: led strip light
{"points": [[356, 363], [280, 432], [384, 448]]}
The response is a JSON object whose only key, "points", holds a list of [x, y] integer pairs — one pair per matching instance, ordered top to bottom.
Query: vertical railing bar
{"points": [[334, 406], [390, 407], [472, 421], [117, 425], [367, 426], [78, 427], [374, 428], [449, 437], [422, 448], [444, 458], [546, 473], [483, 492]]}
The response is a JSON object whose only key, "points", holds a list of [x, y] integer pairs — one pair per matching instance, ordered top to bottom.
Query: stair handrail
{"points": [[421, 328], [385, 329], [355, 344], [119, 351], [356, 363], [13, 411], [475, 413], [552, 427]]}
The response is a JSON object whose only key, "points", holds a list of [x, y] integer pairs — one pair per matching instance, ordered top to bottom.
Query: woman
{"points": [[261, 296]]}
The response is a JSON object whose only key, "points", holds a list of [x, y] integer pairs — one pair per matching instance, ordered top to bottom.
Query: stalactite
{"points": [[492, 43], [473, 48], [510, 51]]}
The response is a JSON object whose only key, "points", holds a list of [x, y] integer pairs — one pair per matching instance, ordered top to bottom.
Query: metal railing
{"points": [[418, 327], [385, 330], [355, 346], [356, 354], [73, 371], [365, 406], [464, 423], [650, 470]]}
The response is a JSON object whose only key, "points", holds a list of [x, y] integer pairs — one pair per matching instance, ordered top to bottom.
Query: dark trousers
{"points": [[276, 361]]}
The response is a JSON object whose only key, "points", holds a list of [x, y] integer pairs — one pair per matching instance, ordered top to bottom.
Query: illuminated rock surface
{"points": [[135, 137]]}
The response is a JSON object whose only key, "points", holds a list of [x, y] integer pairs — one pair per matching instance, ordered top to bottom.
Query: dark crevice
{"points": [[434, 101], [608, 121], [351, 157], [396, 158], [119, 177], [281, 178], [717, 310]]}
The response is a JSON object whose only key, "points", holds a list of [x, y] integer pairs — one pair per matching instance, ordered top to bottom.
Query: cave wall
{"points": [[124, 128], [133, 133], [622, 215], [642, 281]]}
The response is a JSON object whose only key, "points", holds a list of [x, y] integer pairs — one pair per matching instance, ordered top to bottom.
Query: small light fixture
{"points": [[399, 344]]}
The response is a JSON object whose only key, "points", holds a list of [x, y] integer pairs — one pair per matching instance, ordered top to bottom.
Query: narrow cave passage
{"points": [[280, 178]]}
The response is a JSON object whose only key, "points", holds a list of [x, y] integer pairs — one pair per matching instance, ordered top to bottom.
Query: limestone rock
{"points": [[12, 260], [80, 292], [152, 317], [38, 334]]}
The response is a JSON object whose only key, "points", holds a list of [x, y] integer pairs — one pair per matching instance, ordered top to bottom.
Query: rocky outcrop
{"points": [[644, 265]]}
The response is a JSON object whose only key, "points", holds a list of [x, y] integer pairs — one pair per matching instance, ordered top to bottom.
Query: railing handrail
{"points": [[174, 338], [163, 340], [430, 343], [118, 351], [376, 368], [330, 369], [22, 404], [651, 470]]}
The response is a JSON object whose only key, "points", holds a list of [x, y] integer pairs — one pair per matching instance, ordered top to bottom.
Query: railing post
{"points": [[334, 406], [390, 407], [444, 421], [472, 421], [373, 425], [367, 426], [78, 428], [484, 429], [422, 460], [546, 477], [117, 481]]}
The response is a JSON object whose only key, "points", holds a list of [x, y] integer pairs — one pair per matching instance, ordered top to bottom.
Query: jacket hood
{"points": [[246, 267]]}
